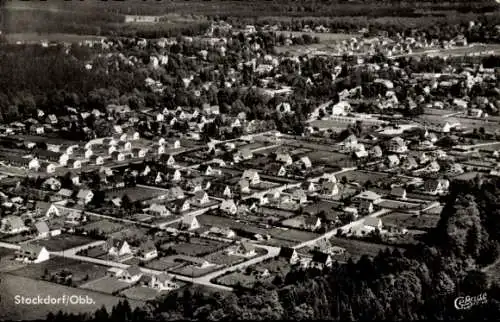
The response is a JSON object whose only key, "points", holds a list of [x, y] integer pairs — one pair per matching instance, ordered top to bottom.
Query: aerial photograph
{"points": [[234, 160]]}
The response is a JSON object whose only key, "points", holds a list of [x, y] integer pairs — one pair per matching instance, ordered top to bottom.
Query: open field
{"points": [[323, 36], [30, 37], [474, 50], [135, 193], [410, 221], [63, 241], [81, 271], [195, 271], [237, 278], [16, 285], [108, 285]]}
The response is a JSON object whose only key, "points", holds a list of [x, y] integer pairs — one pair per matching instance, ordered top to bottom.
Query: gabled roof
{"points": [[42, 227], [31, 249], [287, 252], [320, 257]]}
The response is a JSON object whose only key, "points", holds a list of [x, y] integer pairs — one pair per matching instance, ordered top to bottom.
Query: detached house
{"points": [[397, 145], [284, 158], [252, 176], [436, 187], [398, 192], [84, 196], [201, 197], [180, 206], [229, 206], [46, 210], [158, 210], [190, 222], [12, 225], [117, 248], [243, 249], [147, 251], [31, 253], [289, 254], [321, 260], [132, 274], [161, 282]]}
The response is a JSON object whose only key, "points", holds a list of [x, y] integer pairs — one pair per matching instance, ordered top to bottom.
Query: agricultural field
{"points": [[323, 36], [32, 37], [329, 158], [135, 193], [394, 204], [411, 221], [15, 239], [63, 242], [7, 262], [81, 271], [237, 278], [107, 284], [13, 285]]}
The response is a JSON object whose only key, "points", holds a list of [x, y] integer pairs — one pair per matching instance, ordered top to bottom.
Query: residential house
{"points": [[397, 145], [139, 152], [376, 152], [241, 155], [118, 156], [284, 157], [96, 159], [168, 160], [392, 161], [305, 162], [409, 163], [275, 169], [252, 176], [52, 184], [436, 186], [329, 189], [220, 190], [398, 192], [175, 193], [369, 195], [84, 196], [299, 196], [201, 197], [180, 205], [229, 206], [365, 207], [46, 210], [158, 210], [190, 222], [312, 223], [371, 223], [12, 225], [42, 229], [222, 232], [117, 248], [243, 249], [147, 251], [31, 253], [289, 254], [321, 260], [132, 274], [161, 282]]}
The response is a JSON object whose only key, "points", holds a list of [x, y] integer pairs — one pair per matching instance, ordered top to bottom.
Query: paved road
{"points": [[271, 252]]}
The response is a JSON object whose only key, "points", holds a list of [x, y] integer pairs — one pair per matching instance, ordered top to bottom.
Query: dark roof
{"points": [[286, 252], [320, 257]]}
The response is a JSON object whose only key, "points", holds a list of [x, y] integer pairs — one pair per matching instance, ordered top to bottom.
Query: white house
{"points": [[252, 176], [229, 206], [117, 248], [31, 253]]}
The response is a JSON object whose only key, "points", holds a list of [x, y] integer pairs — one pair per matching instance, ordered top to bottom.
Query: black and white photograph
{"points": [[244, 160]]}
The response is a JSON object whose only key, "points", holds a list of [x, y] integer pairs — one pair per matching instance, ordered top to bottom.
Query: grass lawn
{"points": [[362, 176], [136, 193], [411, 221], [104, 226], [14, 239], [63, 242], [197, 247], [357, 248], [221, 258], [7, 262], [162, 264], [80, 270], [195, 271], [234, 278], [16, 285], [107, 285], [141, 293]]}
